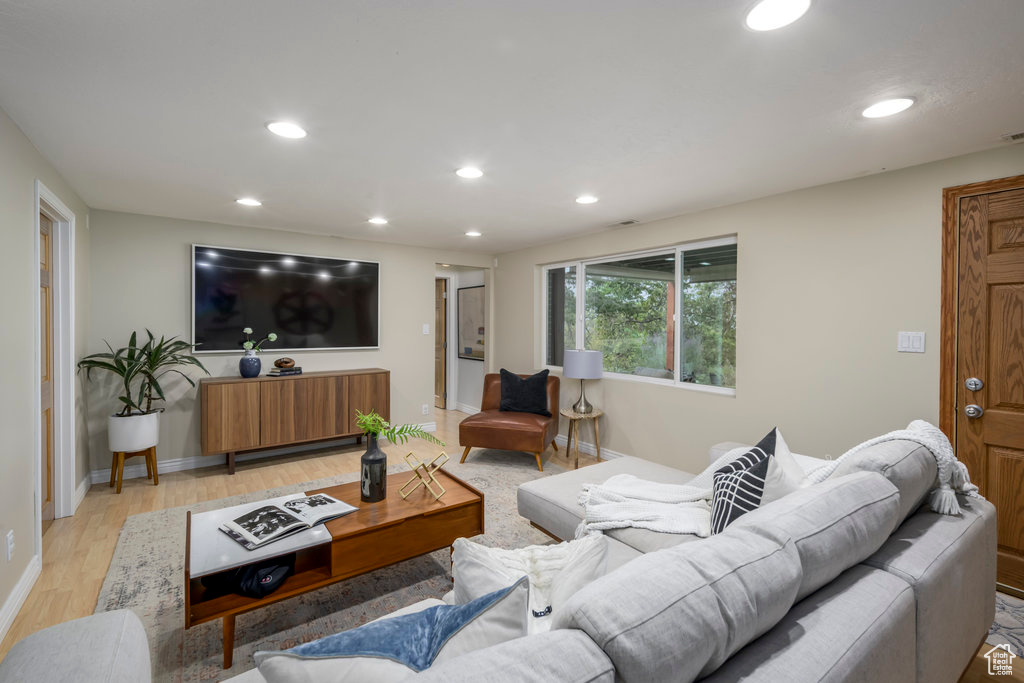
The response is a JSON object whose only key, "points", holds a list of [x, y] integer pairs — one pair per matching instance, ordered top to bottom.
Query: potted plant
{"points": [[250, 365], [140, 369], [373, 476]]}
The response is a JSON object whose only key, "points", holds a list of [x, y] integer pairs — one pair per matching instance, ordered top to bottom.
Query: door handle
{"points": [[974, 411]]}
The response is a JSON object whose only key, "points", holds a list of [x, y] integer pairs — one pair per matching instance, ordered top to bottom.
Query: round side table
{"points": [[574, 431]]}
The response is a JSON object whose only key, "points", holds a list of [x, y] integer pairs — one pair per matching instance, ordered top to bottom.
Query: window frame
{"points": [[678, 251]]}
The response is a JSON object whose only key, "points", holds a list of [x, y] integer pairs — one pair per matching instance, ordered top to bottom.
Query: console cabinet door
{"points": [[366, 393], [302, 409], [231, 417]]}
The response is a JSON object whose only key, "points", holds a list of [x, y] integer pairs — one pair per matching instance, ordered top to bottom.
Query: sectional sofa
{"points": [[852, 579]]}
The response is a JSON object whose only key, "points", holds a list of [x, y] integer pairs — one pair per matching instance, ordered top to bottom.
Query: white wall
{"points": [[20, 166], [827, 276], [142, 278]]}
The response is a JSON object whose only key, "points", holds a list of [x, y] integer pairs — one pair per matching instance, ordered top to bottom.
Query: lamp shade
{"points": [[583, 364]]}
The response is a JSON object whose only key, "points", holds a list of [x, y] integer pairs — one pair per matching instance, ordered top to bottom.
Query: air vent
{"points": [[1013, 137]]}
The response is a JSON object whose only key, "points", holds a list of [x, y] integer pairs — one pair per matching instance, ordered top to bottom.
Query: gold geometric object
{"points": [[423, 475]]}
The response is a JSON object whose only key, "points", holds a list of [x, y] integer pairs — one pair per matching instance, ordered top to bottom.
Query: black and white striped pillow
{"points": [[739, 487]]}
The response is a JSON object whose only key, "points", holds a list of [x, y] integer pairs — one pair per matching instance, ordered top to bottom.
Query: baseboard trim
{"points": [[466, 408], [590, 449], [138, 470], [82, 489], [17, 598]]}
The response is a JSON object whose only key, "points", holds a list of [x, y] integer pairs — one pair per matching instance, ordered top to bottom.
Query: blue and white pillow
{"points": [[392, 649]]}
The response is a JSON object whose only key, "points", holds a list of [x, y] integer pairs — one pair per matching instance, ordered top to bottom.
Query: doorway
{"points": [[440, 342], [982, 356], [46, 370], [54, 466]]}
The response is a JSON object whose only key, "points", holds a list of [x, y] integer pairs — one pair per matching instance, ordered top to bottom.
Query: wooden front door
{"points": [[440, 341], [46, 365], [989, 394]]}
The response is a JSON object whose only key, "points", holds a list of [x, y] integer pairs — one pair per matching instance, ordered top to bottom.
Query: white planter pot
{"points": [[133, 433]]}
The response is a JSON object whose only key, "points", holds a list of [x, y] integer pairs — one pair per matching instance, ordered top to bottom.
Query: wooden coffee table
{"points": [[374, 536]]}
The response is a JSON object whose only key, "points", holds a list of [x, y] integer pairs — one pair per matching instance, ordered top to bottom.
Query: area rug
{"points": [[146, 575], [1008, 628]]}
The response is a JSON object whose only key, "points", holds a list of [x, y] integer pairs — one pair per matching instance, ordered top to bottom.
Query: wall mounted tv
{"points": [[311, 302]]}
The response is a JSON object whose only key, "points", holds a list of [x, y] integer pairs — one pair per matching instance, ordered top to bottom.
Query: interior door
{"points": [[440, 341], [990, 363], [46, 364]]}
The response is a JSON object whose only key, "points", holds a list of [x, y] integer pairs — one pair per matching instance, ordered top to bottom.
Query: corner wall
{"points": [[21, 166], [141, 269], [827, 276]]}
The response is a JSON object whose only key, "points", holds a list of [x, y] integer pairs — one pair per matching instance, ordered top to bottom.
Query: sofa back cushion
{"points": [[908, 465], [834, 525], [679, 613]]}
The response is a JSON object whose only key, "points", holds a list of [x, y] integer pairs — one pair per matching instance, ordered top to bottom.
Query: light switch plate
{"points": [[426, 328], [910, 342], [10, 544]]}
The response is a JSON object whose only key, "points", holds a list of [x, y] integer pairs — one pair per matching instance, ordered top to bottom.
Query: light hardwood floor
{"points": [[77, 550]]}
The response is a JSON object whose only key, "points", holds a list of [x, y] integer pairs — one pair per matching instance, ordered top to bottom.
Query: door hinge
{"points": [[444, 295], [444, 345], [445, 396]]}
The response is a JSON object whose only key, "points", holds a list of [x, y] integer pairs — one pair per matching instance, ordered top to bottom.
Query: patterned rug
{"points": [[146, 575], [1008, 628]]}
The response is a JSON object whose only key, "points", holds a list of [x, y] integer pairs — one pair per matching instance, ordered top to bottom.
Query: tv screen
{"points": [[311, 302]]}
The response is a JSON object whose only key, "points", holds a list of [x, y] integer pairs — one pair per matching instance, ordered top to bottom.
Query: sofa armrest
{"points": [[110, 647]]}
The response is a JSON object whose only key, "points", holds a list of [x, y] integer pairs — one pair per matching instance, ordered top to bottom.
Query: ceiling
{"points": [[657, 107]]}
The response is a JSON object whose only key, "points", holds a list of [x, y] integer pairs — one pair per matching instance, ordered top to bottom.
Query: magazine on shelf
{"points": [[271, 522]]}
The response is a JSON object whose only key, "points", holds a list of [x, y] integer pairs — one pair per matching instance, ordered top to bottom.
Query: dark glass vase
{"points": [[249, 365], [374, 468]]}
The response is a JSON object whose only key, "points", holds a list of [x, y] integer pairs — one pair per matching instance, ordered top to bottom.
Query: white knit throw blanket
{"points": [[953, 476], [627, 501]]}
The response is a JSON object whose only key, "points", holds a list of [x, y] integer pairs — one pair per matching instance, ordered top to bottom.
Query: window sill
{"points": [[688, 386]]}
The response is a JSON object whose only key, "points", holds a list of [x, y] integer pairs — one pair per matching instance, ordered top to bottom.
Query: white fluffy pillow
{"points": [[555, 572]]}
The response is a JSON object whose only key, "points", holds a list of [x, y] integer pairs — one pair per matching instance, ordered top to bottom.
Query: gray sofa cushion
{"points": [[909, 466], [552, 502], [835, 524], [950, 561], [678, 613], [858, 628], [109, 647], [565, 655]]}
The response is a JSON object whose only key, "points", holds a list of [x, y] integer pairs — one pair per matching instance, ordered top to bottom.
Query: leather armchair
{"points": [[494, 428]]}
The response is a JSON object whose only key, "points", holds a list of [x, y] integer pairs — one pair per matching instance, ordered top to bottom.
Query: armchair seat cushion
{"points": [[506, 430]]}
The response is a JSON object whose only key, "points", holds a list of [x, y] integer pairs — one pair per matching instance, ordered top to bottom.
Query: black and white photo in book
{"points": [[271, 522]]}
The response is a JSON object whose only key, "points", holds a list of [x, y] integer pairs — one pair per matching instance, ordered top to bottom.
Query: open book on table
{"points": [[271, 522]]}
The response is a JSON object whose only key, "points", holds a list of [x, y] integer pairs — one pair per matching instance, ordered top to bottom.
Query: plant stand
{"points": [[117, 466]]}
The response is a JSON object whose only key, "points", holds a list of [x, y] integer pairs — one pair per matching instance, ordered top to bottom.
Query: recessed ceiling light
{"points": [[769, 15], [887, 108], [286, 129], [469, 172], [586, 199], [249, 201], [378, 220], [473, 233], [212, 254], [288, 261], [705, 263], [202, 264], [446, 265], [265, 270], [324, 274]]}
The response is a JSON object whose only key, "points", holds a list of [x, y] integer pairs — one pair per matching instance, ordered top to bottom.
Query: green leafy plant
{"points": [[250, 345], [141, 369], [373, 424]]}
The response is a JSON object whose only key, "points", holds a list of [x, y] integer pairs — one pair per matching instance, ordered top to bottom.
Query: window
{"points": [[626, 307]]}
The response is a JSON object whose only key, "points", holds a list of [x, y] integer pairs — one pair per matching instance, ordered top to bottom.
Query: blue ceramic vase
{"points": [[250, 365]]}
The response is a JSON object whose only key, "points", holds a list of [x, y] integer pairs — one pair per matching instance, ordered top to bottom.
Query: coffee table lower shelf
{"points": [[375, 536]]}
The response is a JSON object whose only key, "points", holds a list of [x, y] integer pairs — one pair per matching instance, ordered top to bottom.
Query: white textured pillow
{"points": [[556, 572], [392, 649]]}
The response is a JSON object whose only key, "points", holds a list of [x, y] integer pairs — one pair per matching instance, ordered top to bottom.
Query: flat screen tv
{"points": [[311, 302]]}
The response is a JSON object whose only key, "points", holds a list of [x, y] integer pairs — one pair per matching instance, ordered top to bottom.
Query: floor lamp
{"points": [[583, 365]]}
